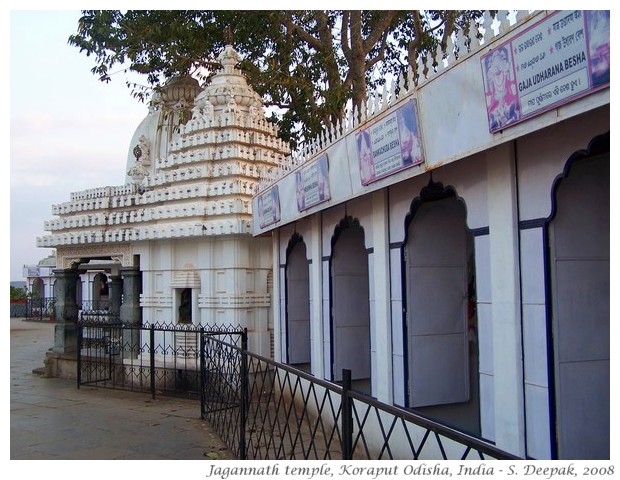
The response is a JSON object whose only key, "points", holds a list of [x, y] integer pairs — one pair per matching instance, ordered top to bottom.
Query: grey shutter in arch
{"points": [[579, 243], [437, 294], [298, 305], [350, 305]]}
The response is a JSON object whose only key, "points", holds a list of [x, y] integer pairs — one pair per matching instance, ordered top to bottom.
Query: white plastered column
{"points": [[316, 297], [277, 298], [380, 300], [506, 304]]}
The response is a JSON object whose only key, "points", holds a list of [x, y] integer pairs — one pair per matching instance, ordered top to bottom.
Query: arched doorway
{"points": [[578, 235], [38, 288], [101, 292], [38, 293], [297, 304], [440, 318], [350, 319]]}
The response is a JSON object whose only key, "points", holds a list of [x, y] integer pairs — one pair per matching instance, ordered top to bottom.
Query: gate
{"points": [[99, 343], [222, 370], [224, 386]]}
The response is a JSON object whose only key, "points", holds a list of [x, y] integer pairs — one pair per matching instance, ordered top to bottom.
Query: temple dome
{"points": [[178, 91], [170, 106], [49, 261]]}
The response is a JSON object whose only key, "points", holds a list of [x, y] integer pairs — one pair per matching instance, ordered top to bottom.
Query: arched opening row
{"points": [[446, 348]]}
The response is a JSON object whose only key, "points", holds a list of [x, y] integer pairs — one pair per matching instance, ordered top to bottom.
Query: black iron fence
{"points": [[39, 308], [18, 309], [42, 309], [158, 358], [261, 409], [266, 410]]}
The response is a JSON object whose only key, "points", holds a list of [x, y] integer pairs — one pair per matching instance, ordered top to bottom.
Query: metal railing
{"points": [[94, 305], [40, 308], [18, 309], [157, 358], [266, 410]]}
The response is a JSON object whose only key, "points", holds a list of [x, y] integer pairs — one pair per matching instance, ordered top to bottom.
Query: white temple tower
{"points": [[180, 229]]}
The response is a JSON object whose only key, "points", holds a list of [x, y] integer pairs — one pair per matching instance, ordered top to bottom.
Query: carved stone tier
{"points": [[200, 185]]}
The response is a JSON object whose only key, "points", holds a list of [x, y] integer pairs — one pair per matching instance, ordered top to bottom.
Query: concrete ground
{"points": [[51, 419]]}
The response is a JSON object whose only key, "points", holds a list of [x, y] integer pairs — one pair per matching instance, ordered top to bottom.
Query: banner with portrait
{"points": [[557, 60], [390, 145], [312, 183], [269, 207]]}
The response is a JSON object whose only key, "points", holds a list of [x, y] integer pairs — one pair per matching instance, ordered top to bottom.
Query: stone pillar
{"points": [[116, 293], [66, 311], [130, 311]]}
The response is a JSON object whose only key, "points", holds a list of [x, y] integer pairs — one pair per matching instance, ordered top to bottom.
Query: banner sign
{"points": [[557, 60], [389, 145], [312, 183], [269, 207], [33, 272]]}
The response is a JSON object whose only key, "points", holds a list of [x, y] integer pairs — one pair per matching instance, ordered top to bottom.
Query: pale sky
{"points": [[68, 130]]}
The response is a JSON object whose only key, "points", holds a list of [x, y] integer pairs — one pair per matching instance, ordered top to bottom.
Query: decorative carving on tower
{"points": [[231, 106], [143, 145], [139, 170]]}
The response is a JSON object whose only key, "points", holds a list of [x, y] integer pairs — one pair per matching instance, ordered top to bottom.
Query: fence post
{"points": [[79, 353], [152, 359], [201, 379], [243, 407], [347, 416]]}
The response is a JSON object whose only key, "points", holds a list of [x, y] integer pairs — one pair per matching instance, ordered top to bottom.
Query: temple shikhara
{"points": [[179, 231], [447, 244]]}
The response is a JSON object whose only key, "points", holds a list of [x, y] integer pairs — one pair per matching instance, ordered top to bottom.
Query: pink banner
{"points": [[559, 59]]}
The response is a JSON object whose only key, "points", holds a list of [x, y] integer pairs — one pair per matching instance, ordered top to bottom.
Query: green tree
{"points": [[307, 63], [18, 293]]}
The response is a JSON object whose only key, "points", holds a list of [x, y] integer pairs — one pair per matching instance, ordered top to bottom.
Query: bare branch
{"points": [[286, 20]]}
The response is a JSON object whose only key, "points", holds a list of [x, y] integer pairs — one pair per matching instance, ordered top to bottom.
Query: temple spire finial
{"points": [[228, 36]]}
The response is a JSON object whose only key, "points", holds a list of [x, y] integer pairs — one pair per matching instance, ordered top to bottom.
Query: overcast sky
{"points": [[68, 131]]}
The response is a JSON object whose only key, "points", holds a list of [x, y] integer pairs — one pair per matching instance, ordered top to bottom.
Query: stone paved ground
{"points": [[52, 419]]}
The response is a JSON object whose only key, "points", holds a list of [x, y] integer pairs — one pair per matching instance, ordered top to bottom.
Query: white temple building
{"points": [[179, 232], [40, 277]]}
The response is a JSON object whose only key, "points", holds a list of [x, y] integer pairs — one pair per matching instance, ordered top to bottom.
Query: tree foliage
{"points": [[310, 64], [18, 293]]}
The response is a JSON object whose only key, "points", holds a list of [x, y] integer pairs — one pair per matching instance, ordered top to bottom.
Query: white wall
{"points": [[501, 188], [228, 275]]}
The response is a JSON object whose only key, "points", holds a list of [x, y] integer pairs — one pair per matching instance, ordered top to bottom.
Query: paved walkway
{"points": [[52, 419]]}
